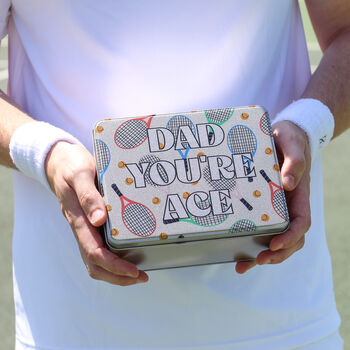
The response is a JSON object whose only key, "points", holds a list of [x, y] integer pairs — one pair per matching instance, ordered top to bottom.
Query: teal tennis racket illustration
{"points": [[218, 116], [205, 221], [243, 225]]}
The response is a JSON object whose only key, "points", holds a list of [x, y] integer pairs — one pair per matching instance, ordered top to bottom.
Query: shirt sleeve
{"points": [[5, 9]]}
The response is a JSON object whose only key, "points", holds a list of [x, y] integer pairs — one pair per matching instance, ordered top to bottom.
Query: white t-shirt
{"points": [[72, 63]]}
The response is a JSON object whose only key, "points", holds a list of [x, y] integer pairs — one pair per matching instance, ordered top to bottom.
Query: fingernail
{"points": [[289, 181], [96, 216], [277, 247], [268, 261], [250, 267], [133, 274], [142, 278], [141, 281]]}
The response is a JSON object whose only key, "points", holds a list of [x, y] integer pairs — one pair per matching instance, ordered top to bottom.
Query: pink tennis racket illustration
{"points": [[265, 124], [133, 132], [226, 184], [278, 199], [137, 218]]}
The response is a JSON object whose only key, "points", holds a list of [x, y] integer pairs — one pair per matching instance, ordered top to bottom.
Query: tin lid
{"points": [[188, 176]]}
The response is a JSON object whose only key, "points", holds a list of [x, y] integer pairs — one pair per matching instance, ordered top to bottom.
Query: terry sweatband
{"points": [[312, 116], [31, 143]]}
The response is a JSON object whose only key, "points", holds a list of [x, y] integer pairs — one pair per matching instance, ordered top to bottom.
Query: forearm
{"points": [[331, 81], [11, 117]]}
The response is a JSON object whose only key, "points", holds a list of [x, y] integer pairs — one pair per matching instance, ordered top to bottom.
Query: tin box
{"points": [[186, 189]]}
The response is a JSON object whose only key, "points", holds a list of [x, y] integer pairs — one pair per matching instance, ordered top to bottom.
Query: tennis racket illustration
{"points": [[218, 116], [173, 125], [265, 125], [133, 132], [241, 139], [103, 158], [152, 159], [226, 184], [278, 199], [137, 218], [205, 221], [243, 225]]}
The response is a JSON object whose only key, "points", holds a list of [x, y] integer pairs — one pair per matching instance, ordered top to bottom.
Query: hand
{"points": [[294, 155], [71, 173]]}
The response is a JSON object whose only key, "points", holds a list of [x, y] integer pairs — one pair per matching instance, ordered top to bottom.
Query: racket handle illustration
{"points": [[210, 135], [186, 165], [264, 175], [250, 179], [101, 190], [116, 190], [246, 204], [170, 221]]}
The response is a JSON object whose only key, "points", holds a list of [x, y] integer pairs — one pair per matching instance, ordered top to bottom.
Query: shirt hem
{"points": [[289, 340]]}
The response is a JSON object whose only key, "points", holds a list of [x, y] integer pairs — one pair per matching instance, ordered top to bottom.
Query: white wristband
{"points": [[314, 117], [31, 143]]}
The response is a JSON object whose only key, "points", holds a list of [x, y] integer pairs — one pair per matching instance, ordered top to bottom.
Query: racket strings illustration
{"points": [[219, 116], [265, 124], [173, 125], [132, 133], [241, 139], [103, 158], [149, 158], [152, 159], [226, 184], [278, 198], [137, 218], [207, 221], [243, 225]]}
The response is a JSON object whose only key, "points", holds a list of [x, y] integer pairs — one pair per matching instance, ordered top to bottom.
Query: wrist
{"points": [[314, 118], [30, 145], [53, 159]]}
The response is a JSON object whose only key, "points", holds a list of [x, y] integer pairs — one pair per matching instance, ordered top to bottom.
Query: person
{"points": [[72, 63]]}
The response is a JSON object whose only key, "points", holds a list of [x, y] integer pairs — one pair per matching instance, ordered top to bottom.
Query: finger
{"points": [[291, 143], [293, 166], [89, 198], [300, 217], [90, 241], [276, 257], [109, 261], [244, 266], [101, 274]]}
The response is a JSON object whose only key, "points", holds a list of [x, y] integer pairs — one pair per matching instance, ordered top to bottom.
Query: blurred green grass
{"points": [[337, 205]]}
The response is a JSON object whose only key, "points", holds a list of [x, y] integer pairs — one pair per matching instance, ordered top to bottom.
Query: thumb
{"points": [[291, 142], [293, 166], [89, 198]]}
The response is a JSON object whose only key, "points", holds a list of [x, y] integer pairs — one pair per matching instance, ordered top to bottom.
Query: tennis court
{"points": [[337, 207]]}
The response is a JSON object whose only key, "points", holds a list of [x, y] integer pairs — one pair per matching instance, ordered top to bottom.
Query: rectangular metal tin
{"points": [[160, 241]]}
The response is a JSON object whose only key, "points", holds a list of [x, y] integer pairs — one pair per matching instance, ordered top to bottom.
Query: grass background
{"points": [[337, 205]]}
